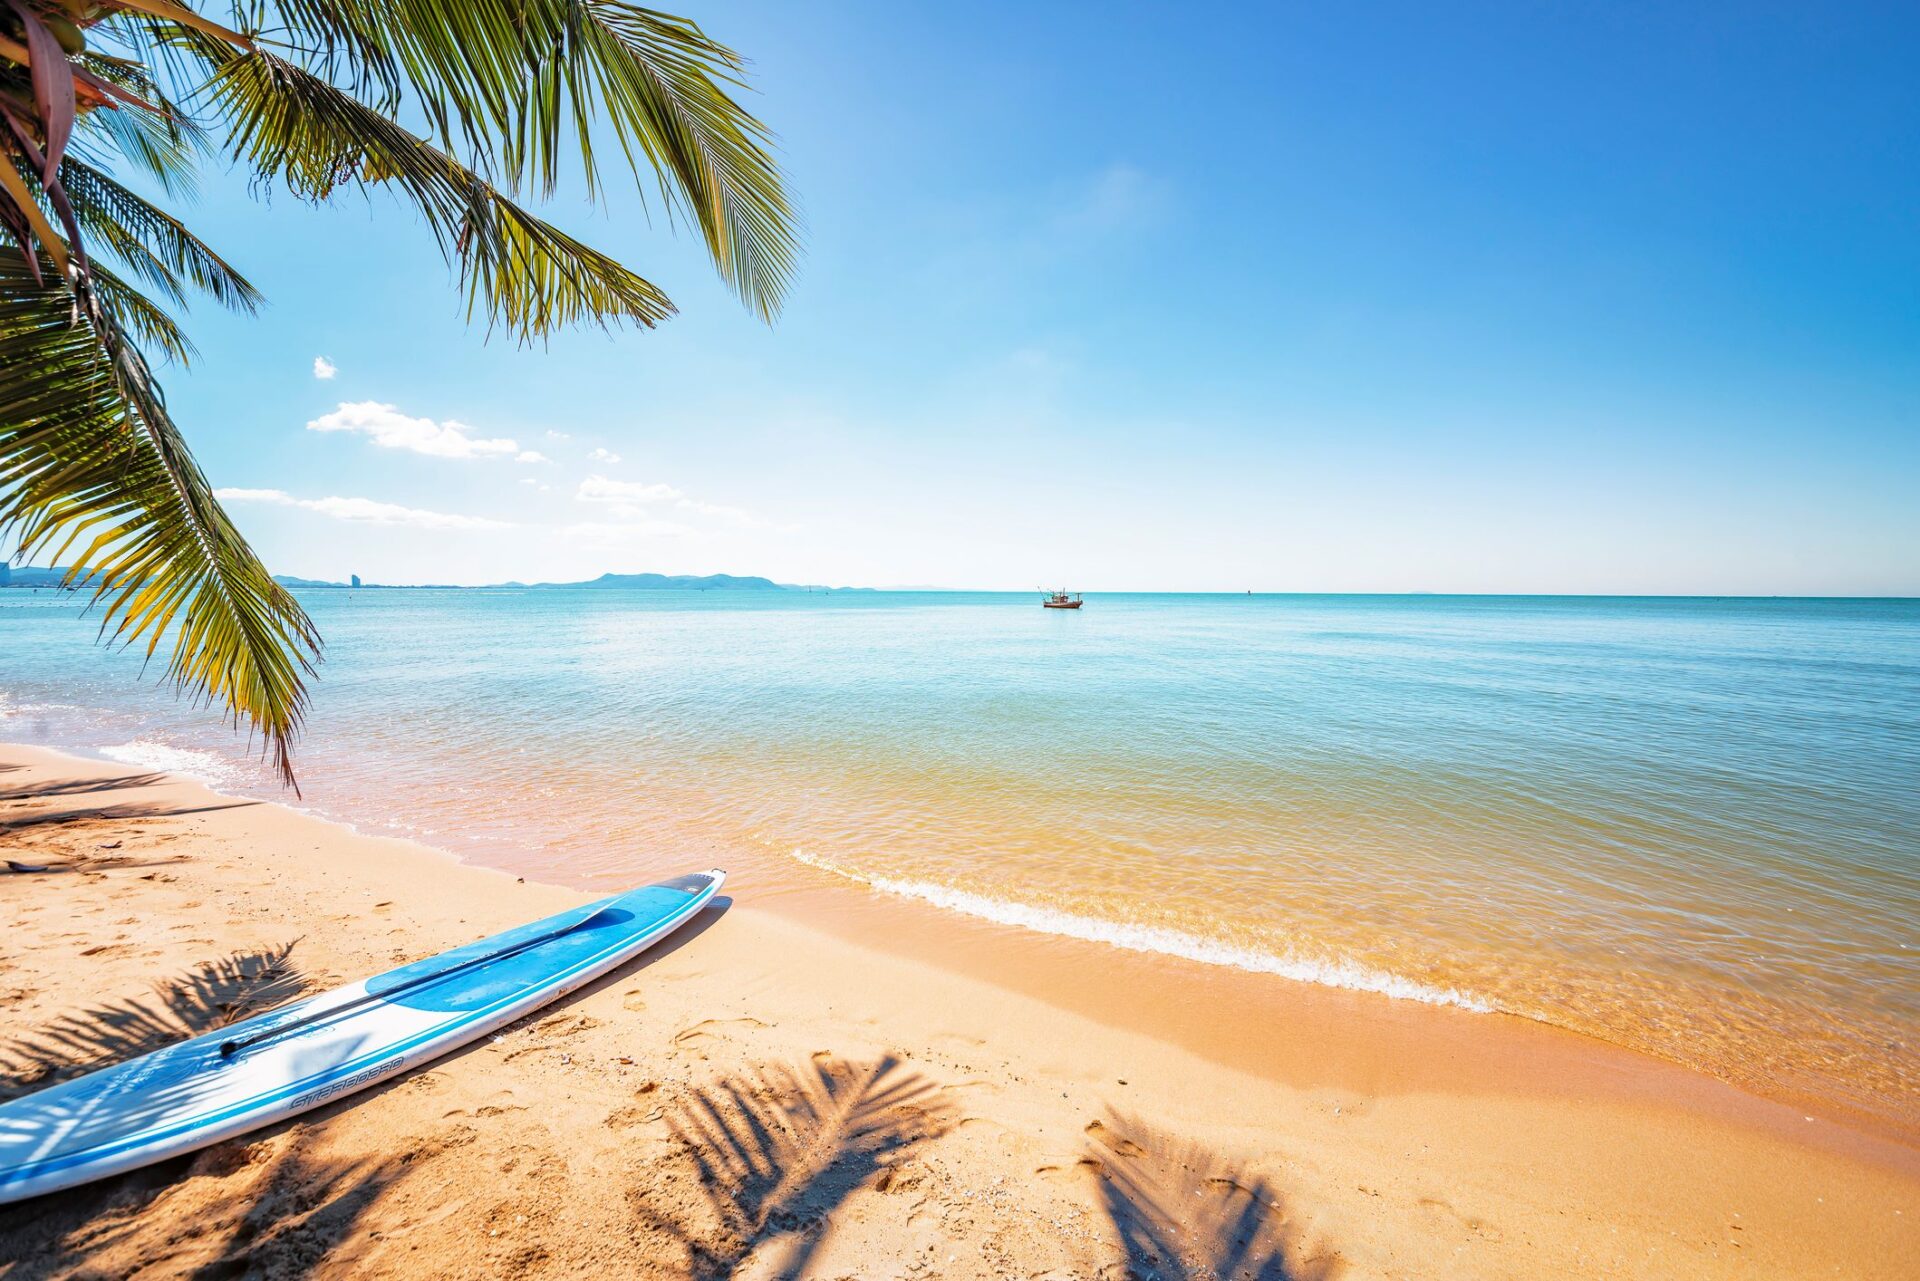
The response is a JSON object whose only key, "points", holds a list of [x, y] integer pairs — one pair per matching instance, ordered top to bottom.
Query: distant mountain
{"points": [[35, 576], [627, 582], [679, 583], [695, 583]]}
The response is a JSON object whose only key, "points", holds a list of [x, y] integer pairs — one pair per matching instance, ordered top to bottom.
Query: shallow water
{"points": [[1686, 826]]}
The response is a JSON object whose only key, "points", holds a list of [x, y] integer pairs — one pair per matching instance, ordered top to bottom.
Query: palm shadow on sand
{"points": [[77, 786], [106, 815], [208, 996], [776, 1151], [1181, 1212], [290, 1213], [282, 1220]]}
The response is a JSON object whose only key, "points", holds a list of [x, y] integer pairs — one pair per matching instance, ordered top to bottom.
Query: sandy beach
{"points": [[874, 1091]]}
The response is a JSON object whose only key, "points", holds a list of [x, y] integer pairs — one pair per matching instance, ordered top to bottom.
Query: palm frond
{"points": [[526, 82], [661, 82], [153, 132], [20, 204], [151, 241], [517, 270], [144, 319], [93, 471]]}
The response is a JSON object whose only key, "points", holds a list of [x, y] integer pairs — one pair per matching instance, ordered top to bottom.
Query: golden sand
{"points": [[766, 1097]]}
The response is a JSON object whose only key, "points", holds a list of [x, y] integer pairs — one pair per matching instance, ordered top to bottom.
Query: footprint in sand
{"points": [[567, 1024], [704, 1026], [531, 1049], [628, 1118], [987, 1121], [1119, 1143], [426, 1148], [1479, 1227]]}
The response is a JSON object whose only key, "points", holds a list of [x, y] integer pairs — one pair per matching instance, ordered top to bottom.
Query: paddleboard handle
{"points": [[692, 883], [230, 1048]]}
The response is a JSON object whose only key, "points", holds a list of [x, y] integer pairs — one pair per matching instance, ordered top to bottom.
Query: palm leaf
{"points": [[527, 80], [660, 80], [52, 86], [151, 132], [19, 202], [151, 241], [518, 271], [145, 320], [92, 468], [94, 472]]}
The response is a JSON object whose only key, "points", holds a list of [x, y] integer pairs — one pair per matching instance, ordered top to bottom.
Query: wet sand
{"points": [[773, 1097]]}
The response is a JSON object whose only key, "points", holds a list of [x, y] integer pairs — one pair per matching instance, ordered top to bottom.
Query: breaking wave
{"points": [[208, 767], [1156, 939]]}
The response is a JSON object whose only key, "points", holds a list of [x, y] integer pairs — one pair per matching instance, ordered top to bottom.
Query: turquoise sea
{"points": [[1687, 826]]}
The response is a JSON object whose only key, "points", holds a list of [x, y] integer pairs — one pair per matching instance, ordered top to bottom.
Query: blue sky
{"points": [[1588, 297]]}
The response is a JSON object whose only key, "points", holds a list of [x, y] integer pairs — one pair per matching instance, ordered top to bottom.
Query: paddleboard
{"points": [[309, 1053]]}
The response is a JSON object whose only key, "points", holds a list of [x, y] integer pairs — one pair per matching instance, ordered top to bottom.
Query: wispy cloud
{"points": [[1117, 197], [323, 368], [391, 429], [551, 434], [604, 455], [531, 456], [600, 489], [631, 499], [363, 510], [720, 511], [623, 533]]}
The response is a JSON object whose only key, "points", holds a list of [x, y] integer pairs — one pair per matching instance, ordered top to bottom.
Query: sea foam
{"points": [[207, 767], [1156, 939]]}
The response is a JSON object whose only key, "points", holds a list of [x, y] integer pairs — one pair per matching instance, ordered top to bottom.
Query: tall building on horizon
{"points": [[355, 578]]}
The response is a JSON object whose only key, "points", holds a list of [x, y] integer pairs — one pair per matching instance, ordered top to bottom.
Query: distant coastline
{"points": [[31, 576], [36, 576], [631, 582]]}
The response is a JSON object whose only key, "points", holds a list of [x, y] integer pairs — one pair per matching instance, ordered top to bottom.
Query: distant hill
{"points": [[35, 576], [627, 582], [678, 583], [694, 583]]}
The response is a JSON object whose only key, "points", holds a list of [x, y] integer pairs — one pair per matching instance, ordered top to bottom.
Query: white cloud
{"points": [[1117, 197], [323, 368], [391, 429], [551, 434], [531, 456], [604, 456], [540, 485], [599, 489], [629, 499], [363, 510], [738, 515], [607, 533]]}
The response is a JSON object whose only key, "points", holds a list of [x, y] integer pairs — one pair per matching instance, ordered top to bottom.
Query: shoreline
{"points": [[901, 921], [1550, 1151]]}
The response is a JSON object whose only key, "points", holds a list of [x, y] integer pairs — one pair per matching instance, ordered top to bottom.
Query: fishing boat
{"points": [[1061, 600]]}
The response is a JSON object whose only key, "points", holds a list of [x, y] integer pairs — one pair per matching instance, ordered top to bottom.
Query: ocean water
{"points": [[1685, 826]]}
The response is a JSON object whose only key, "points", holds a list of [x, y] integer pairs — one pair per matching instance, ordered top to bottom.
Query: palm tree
{"points": [[308, 95]]}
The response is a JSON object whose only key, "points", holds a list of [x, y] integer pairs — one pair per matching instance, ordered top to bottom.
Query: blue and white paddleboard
{"points": [[300, 1056]]}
